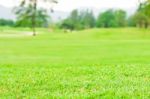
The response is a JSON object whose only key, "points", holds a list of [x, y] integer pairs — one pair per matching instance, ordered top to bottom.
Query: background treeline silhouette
{"points": [[84, 19]]}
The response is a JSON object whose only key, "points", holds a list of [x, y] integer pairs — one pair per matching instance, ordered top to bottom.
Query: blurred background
{"points": [[76, 14], [74, 49]]}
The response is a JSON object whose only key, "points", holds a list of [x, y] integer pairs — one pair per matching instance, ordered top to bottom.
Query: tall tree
{"points": [[33, 10], [142, 16], [24, 18], [112, 18], [120, 18], [87, 19], [106, 19], [79, 20], [72, 22]]}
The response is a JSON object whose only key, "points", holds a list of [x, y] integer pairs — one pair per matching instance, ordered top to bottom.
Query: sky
{"points": [[68, 5]]}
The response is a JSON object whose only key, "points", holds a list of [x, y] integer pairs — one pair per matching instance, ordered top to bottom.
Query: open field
{"points": [[96, 63]]}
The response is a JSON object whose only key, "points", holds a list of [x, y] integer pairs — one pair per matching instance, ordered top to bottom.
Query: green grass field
{"points": [[89, 64]]}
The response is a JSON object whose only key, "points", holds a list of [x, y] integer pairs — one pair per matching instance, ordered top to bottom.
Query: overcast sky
{"points": [[68, 5]]}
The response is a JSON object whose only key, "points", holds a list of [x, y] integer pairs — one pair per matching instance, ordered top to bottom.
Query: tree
{"points": [[33, 11], [146, 11], [142, 16], [24, 18], [112, 18], [120, 18], [87, 19], [106, 19], [141, 19], [79, 20], [130, 21], [5, 22], [72, 22], [67, 24]]}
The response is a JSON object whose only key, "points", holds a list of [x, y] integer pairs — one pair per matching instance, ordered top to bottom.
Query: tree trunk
{"points": [[34, 17], [146, 25]]}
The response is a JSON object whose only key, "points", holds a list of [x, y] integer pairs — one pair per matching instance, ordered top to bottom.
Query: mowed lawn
{"points": [[88, 64]]}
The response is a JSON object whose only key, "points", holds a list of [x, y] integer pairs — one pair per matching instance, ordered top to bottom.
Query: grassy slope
{"points": [[106, 63]]}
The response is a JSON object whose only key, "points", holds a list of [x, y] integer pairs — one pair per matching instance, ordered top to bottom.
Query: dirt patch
{"points": [[23, 34]]}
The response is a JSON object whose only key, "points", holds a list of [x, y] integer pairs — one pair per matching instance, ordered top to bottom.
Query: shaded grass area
{"points": [[96, 63]]}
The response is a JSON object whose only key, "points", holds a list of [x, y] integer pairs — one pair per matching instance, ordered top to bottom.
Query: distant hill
{"points": [[6, 13]]}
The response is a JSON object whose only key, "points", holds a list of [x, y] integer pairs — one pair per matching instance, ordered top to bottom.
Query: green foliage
{"points": [[28, 9], [142, 16], [24, 17], [111, 18], [120, 18], [87, 19], [106, 19], [141, 19], [79, 20], [131, 21], [5, 22], [67, 24]]}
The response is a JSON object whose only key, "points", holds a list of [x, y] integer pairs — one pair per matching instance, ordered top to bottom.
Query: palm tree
{"points": [[33, 5], [24, 17]]}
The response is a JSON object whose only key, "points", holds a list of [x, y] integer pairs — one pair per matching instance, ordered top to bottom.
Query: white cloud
{"points": [[68, 5]]}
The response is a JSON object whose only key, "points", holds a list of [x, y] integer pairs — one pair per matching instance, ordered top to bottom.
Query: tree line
{"points": [[28, 15], [142, 16], [109, 18], [86, 19]]}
